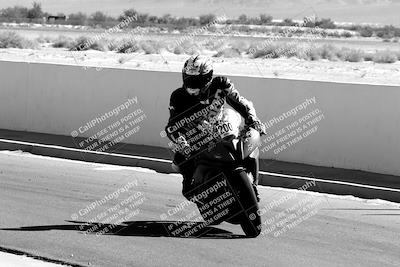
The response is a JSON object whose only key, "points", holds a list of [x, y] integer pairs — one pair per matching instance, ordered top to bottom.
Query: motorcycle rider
{"points": [[202, 92]]}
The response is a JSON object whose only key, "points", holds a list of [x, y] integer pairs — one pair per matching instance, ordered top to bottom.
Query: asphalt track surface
{"points": [[44, 201]]}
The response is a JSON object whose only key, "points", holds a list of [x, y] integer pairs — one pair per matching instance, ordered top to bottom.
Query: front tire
{"points": [[250, 218]]}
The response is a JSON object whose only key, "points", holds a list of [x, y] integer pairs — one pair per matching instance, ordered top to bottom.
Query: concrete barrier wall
{"points": [[360, 128]]}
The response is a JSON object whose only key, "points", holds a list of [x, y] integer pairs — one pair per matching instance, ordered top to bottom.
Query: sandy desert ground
{"points": [[291, 68], [366, 72]]}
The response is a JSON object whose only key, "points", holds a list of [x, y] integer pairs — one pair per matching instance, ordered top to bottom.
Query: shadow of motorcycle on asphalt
{"points": [[139, 228]]}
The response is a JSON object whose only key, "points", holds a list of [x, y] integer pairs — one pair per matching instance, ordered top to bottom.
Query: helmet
{"points": [[197, 72]]}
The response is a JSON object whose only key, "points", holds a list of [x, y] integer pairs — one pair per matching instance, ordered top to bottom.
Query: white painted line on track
{"points": [[84, 151], [169, 161], [108, 167], [330, 181]]}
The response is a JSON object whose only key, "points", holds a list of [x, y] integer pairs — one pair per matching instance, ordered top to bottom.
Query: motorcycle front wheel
{"points": [[250, 220]]}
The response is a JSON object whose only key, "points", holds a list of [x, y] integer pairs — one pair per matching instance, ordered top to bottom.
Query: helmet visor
{"points": [[195, 82]]}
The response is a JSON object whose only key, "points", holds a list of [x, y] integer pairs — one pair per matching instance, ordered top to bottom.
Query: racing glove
{"points": [[258, 126], [182, 146]]}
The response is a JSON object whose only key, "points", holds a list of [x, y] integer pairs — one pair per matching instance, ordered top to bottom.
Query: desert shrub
{"points": [[100, 19], [206, 19], [242, 19], [265, 19], [287, 22], [325, 24], [244, 28], [299, 31], [366, 31], [387, 32], [324, 33], [334, 34], [346, 34], [381, 34], [44, 39], [14, 40], [63, 41], [84, 43], [113, 45], [126, 46], [150, 46], [189, 47], [252, 48], [178, 50], [193, 50], [287, 50], [265, 51], [329, 52], [228, 53], [313, 54], [341, 54], [351, 55], [355, 56], [369, 56], [386, 56], [122, 60]]}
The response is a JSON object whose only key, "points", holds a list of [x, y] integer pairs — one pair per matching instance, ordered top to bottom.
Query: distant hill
{"points": [[357, 11]]}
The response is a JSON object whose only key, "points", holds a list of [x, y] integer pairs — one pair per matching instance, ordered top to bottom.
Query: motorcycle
{"points": [[222, 183]]}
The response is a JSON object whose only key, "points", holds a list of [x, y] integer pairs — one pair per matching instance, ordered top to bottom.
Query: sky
{"points": [[357, 11]]}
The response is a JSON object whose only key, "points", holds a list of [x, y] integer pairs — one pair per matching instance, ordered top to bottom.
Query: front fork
{"points": [[252, 164]]}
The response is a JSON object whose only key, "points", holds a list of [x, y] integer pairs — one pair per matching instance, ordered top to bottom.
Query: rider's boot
{"points": [[186, 168]]}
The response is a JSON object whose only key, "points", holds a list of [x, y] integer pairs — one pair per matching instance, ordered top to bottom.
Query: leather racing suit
{"points": [[188, 111]]}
